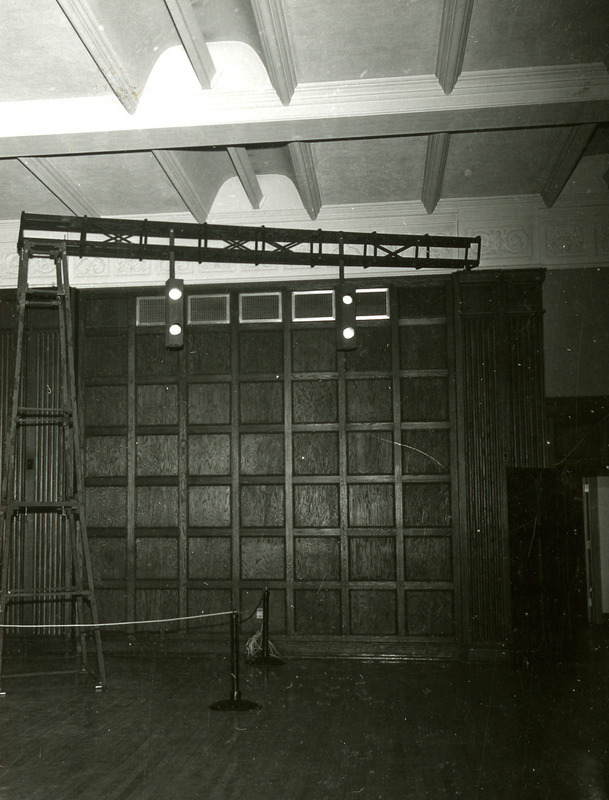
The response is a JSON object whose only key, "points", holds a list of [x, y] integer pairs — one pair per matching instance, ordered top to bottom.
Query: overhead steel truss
{"points": [[181, 241]]}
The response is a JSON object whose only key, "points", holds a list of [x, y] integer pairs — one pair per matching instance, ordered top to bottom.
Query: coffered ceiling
{"points": [[164, 107]]}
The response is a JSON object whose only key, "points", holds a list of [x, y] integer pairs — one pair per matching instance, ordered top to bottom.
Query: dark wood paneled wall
{"points": [[502, 425], [365, 489]]}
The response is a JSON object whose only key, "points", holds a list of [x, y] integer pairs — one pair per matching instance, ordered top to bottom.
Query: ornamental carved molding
{"points": [[566, 240]]}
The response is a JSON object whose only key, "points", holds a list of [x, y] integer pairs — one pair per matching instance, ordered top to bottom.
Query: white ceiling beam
{"points": [[456, 16], [90, 31], [193, 41], [276, 47], [493, 100], [567, 159], [435, 167], [175, 168], [247, 176], [305, 176], [63, 188]]}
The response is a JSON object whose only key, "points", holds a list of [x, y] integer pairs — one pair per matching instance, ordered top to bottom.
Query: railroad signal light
{"points": [[174, 313], [345, 320]]}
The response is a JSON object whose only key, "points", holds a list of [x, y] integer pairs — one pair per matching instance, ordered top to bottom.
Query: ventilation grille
{"points": [[372, 303], [313, 305], [263, 307], [208, 309], [150, 311]]}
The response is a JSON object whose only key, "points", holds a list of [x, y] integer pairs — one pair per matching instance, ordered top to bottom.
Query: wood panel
{"points": [[423, 346], [314, 350], [261, 351], [209, 352], [373, 353], [106, 356], [152, 358], [424, 399], [369, 400], [315, 401], [261, 402], [209, 403], [157, 404], [105, 406], [370, 452], [425, 452], [262, 453], [315, 453], [156, 454], [209, 454], [105, 456], [427, 504], [371, 505], [106, 506], [156, 506], [209, 506], [262, 506], [316, 506], [209, 557], [109, 558], [156, 558], [262, 558], [317, 558], [372, 558], [428, 558], [158, 604], [317, 612], [373, 612], [429, 613]]}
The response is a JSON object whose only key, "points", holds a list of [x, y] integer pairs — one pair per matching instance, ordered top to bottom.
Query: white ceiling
{"points": [[151, 107]]}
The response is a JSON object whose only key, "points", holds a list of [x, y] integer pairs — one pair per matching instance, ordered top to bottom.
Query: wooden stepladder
{"points": [[46, 577]]}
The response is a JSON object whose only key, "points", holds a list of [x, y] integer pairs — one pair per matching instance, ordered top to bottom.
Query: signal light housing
{"points": [[174, 313], [346, 338]]}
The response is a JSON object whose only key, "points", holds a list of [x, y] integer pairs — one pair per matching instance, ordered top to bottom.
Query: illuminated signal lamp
{"points": [[174, 313], [346, 338]]}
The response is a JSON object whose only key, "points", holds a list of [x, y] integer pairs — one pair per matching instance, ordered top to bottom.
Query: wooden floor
{"points": [[326, 729]]}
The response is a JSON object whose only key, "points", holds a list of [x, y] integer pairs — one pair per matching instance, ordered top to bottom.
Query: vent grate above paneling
{"points": [[372, 303], [313, 305], [260, 307], [208, 309], [150, 311]]}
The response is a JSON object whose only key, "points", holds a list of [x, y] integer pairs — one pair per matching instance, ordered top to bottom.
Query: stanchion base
{"points": [[266, 661], [235, 704]]}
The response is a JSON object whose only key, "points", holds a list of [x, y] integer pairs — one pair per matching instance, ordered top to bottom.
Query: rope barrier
{"points": [[115, 624]]}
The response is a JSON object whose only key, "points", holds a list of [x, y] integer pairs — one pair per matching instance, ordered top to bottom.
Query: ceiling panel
{"points": [[505, 34], [345, 40], [41, 56], [499, 162], [370, 170], [121, 183], [21, 191]]}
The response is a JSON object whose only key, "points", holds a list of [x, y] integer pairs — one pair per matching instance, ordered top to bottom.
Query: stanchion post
{"points": [[266, 658], [235, 702]]}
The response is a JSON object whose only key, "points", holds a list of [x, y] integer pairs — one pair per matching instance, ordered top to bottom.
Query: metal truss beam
{"points": [[143, 239]]}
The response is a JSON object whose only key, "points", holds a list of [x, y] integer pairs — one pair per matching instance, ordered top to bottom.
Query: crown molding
{"points": [[565, 162], [171, 163], [435, 167], [243, 168], [305, 176]]}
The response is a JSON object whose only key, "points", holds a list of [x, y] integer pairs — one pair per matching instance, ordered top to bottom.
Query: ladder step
{"points": [[44, 291], [42, 303], [37, 416], [43, 505], [66, 591]]}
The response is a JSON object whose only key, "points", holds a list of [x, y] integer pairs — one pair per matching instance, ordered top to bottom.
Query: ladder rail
{"points": [[64, 498]]}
